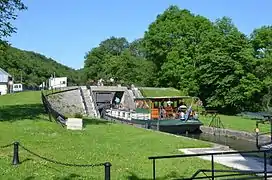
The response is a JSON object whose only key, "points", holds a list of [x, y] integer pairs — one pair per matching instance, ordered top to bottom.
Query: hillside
{"points": [[34, 67]]}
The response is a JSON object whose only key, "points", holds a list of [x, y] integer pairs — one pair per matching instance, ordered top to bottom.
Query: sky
{"points": [[65, 31]]}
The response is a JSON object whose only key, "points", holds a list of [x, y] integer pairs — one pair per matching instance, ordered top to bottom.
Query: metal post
{"points": [[270, 120], [257, 135], [15, 160], [265, 167], [212, 168], [107, 170], [154, 170]]}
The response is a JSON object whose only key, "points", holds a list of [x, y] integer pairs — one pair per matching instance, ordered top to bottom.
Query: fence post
{"points": [[257, 135], [15, 160], [265, 166], [212, 167], [154, 169], [107, 170]]}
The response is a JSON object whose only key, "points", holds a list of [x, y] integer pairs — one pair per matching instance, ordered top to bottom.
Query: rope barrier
{"points": [[8, 145], [16, 161], [61, 163]]}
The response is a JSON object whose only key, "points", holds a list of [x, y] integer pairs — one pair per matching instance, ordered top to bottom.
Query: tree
{"points": [[8, 12], [261, 40], [172, 43], [137, 49], [115, 57], [211, 60], [225, 72]]}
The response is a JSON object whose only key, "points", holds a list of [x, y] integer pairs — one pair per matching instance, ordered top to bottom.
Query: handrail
{"points": [[83, 99], [94, 102], [205, 154], [213, 170]]}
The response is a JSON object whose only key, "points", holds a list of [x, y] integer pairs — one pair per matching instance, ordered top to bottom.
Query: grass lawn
{"points": [[157, 92], [238, 123], [126, 147]]}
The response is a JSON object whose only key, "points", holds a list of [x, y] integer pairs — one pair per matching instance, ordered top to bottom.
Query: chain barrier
{"points": [[8, 145], [61, 163]]}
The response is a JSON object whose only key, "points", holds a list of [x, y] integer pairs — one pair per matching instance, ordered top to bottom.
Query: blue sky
{"points": [[65, 30]]}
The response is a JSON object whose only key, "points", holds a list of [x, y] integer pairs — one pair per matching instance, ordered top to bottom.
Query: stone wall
{"points": [[67, 103], [234, 134]]}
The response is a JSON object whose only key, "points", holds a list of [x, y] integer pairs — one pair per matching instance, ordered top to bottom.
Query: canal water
{"points": [[236, 144]]}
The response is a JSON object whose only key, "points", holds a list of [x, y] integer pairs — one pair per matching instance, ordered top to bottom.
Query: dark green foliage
{"points": [[118, 59], [34, 68]]}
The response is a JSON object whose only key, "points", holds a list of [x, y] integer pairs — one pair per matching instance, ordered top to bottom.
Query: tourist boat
{"points": [[168, 114]]}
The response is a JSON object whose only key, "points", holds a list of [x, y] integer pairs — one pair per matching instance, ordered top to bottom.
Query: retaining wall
{"points": [[67, 103], [234, 134]]}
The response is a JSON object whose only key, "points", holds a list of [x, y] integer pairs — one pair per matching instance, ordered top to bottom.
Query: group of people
{"points": [[183, 113]]}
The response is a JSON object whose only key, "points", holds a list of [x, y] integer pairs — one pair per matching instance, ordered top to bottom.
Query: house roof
{"points": [[4, 72]]}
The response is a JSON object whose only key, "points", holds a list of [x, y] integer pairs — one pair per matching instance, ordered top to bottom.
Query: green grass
{"points": [[159, 92], [22, 98], [238, 123], [125, 146]]}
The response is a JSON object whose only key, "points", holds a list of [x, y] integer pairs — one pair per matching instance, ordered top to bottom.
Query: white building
{"points": [[5, 82], [56, 83]]}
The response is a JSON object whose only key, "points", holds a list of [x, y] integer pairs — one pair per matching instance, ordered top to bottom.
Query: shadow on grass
{"points": [[19, 112], [90, 121], [171, 175], [68, 177], [29, 178]]}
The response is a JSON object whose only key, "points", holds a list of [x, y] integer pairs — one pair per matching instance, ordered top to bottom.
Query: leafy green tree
{"points": [[8, 13], [261, 40], [118, 59], [211, 60]]}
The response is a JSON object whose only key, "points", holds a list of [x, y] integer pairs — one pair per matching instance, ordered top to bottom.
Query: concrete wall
{"points": [[108, 88], [128, 101], [67, 103]]}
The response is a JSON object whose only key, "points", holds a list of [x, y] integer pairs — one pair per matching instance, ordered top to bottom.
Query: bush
{"points": [[78, 115]]}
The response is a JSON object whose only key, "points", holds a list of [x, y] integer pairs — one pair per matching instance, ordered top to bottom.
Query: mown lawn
{"points": [[159, 92], [238, 123], [125, 146]]}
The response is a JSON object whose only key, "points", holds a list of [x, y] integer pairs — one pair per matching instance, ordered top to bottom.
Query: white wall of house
{"points": [[59, 82], [3, 89]]}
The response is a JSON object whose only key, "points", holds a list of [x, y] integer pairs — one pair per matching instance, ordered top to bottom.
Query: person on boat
{"points": [[117, 101], [181, 107], [182, 111], [162, 112]]}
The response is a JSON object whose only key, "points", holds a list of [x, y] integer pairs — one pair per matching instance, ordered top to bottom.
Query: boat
{"points": [[176, 114]]}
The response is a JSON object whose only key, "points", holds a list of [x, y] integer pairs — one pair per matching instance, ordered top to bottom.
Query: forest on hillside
{"points": [[33, 68], [228, 70]]}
